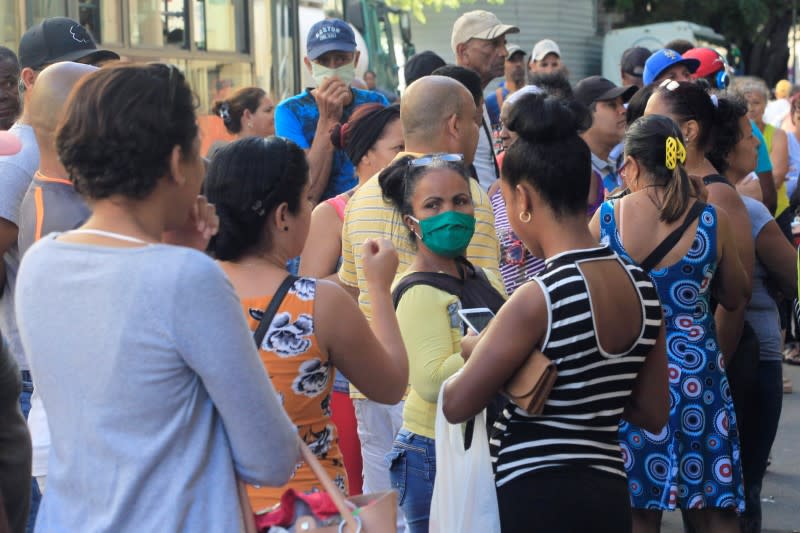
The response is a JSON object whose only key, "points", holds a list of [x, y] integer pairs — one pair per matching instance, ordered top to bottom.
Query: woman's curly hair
{"points": [[120, 126]]}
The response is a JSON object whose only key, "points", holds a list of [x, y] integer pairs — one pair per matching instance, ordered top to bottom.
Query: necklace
{"points": [[110, 235]]}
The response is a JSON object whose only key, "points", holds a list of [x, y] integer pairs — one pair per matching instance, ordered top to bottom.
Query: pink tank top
{"points": [[339, 203]]}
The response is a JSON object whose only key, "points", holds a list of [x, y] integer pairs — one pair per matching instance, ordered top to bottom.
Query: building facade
{"points": [[220, 45]]}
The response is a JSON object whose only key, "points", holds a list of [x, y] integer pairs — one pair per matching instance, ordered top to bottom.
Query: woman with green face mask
{"points": [[432, 194]]}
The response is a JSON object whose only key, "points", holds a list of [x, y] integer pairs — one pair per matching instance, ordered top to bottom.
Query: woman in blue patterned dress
{"points": [[693, 462]]}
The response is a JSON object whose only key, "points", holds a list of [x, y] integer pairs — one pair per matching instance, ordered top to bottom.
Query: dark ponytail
{"points": [[690, 101], [231, 109], [366, 126], [727, 134], [656, 143], [549, 154], [246, 181]]}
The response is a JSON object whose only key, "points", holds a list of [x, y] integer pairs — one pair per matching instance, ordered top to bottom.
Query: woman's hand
{"points": [[750, 186], [202, 224], [380, 263], [468, 343]]}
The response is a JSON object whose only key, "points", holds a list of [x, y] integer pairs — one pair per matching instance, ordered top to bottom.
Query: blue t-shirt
{"points": [[492, 105], [296, 119], [764, 164]]}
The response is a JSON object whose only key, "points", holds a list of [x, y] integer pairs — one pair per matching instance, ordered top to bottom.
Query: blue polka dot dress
{"points": [[693, 462]]}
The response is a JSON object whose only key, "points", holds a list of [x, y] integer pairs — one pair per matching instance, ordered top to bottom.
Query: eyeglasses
{"points": [[429, 159]]}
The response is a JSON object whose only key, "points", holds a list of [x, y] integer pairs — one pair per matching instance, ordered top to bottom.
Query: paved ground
{"points": [[781, 491]]}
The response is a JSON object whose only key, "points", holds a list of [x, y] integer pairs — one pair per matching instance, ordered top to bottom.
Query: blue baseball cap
{"points": [[329, 35], [663, 59]]}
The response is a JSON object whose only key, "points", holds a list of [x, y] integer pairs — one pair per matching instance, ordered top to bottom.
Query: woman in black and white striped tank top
{"points": [[597, 317], [580, 423]]}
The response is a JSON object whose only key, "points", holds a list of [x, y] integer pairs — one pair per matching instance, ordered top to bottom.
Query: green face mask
{"points": [[346, 73], [447, 234]]}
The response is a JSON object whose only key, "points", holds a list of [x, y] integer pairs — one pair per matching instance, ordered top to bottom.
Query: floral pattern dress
{"points": [[303, 377], [694, 461]]}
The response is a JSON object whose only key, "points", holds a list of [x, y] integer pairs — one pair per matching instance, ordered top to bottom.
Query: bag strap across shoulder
{"points": [[672, 239], [438, 280], [272, 308]]}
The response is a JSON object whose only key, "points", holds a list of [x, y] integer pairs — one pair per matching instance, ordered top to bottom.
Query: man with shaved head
{"points": [[438, 114], [51, 203]]}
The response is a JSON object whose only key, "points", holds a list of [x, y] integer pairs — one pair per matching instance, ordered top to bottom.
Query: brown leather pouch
{"points": [[531, 384]]}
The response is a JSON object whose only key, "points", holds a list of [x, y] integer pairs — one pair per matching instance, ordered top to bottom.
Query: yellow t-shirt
{"points": [[782, 195], [369, 216], [431, 330]]}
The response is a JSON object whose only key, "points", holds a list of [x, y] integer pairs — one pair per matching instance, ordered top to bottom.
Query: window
{"points": [[39, 10], [101, 19], [158, 23], [220, 25], [9, 34], [284, 46]]}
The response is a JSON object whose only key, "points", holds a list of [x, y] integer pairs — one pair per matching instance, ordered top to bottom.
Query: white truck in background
{"points": [[654, 37]]}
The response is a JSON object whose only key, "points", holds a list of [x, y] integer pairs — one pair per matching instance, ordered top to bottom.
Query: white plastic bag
{"points": [[464, 496]]}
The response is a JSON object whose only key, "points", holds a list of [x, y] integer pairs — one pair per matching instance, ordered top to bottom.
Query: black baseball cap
{"points": [[59, 39], [633, 60], [598, 89]]}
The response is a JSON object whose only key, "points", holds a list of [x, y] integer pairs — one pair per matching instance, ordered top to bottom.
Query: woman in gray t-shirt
{"points": [[157, 400]]}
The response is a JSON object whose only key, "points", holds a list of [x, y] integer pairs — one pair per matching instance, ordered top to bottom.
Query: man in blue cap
{"points": [[668, 64], [307, 118]]}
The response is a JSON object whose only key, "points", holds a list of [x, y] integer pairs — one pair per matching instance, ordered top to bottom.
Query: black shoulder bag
{"points": [[672, 239], [272, 308]]}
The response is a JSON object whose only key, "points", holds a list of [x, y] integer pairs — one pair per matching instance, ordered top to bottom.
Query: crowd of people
{"points": [[179, 326]]}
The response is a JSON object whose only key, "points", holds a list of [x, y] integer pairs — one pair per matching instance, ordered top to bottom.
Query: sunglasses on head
{"points": [[429, 159]]}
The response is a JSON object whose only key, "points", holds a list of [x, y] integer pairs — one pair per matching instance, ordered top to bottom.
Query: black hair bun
{"points": [[540, 118]]}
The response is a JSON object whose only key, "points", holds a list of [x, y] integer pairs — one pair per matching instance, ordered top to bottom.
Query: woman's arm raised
{"points": [[371, 355]]}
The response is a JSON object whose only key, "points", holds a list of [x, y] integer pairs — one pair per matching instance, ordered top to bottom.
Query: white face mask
{"points": [[346, 73]]}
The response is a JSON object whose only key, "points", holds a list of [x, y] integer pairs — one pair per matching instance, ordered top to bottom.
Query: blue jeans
{"points": [[25, 405], [412, 469]]}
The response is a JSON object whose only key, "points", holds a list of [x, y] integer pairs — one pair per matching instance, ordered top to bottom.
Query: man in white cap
{"points": [[479, 43], [545, 57], [513, 80]]}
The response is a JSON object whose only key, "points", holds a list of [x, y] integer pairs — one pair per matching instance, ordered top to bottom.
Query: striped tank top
{"points": [[579, 424]]}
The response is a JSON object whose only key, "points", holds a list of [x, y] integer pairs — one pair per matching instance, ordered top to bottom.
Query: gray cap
{"points": [[478, 24], [512, 49]]}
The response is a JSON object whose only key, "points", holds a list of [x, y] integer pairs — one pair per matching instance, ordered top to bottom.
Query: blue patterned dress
{"points": [[694, 461]]}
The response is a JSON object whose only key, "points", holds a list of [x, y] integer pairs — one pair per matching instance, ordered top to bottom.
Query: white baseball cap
{"points": [[478, 24], [544, 47]]}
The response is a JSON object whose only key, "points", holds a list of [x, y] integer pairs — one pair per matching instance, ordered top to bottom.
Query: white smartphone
{"points": [[476, 319]]}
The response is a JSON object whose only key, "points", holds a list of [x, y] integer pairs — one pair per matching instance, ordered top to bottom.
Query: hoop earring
{"points": [[525, 217]]}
